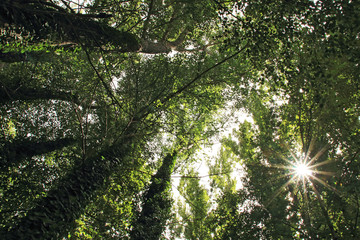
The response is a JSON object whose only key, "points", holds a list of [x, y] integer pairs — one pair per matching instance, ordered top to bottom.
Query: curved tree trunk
{"points": [[45, 20]]}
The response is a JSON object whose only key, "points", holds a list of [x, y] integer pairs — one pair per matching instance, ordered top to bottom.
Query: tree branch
{"points": [[147, 20], [186, 86], [198, 177]]}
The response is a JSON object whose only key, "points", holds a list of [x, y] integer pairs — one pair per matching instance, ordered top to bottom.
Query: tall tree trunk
{"points": [[45, 20], [13, 153], [157, 204], [54, 215]]}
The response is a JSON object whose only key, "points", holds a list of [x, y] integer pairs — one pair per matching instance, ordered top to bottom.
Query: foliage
{"points": [[96, 98], [192, 214]]}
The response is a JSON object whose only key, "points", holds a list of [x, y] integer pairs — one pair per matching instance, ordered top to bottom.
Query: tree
{"points": [[47, 20], [290, 105], [14, 152], [155, 210], [193, 213]]}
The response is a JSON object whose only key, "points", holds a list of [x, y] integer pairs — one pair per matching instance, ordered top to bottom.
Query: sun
{"points": [[302, 170]]}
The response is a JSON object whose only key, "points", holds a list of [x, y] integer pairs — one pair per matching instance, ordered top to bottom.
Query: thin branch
{"points": [[50, 4], [68, 6], [226, 9], [147, 19], [167, 30], [180, 39], [201, 48], [186, 86], [108, 90], [301, 129], [83, 137], [351, 160], [204, 176], [183, 195], [325, 213], [356, 218]]}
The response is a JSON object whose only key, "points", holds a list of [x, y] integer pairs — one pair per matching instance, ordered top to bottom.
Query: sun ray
{"points": [[309, 150], [318, 154], [321, 163], [301, 170], [323, 173], [326, 185], [280, 190]]}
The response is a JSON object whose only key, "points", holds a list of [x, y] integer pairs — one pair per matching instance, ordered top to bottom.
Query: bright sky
{"points": [[213, 151]]}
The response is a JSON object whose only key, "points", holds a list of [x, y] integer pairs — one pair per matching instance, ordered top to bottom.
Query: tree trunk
{"points": [[45, 20], [51, 22], [155, 47], [36, 56], [24, 93], [13, 153], [157, 204], [54, 215]]}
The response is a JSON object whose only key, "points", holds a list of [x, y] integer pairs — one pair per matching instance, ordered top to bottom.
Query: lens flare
{"points": [[302, 170]]}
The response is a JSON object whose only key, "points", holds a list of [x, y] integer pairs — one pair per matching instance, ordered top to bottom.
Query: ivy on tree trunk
{"points": [[157, 203]]}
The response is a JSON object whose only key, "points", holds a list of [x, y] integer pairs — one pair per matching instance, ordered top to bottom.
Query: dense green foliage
{"points": [[103, 101]]}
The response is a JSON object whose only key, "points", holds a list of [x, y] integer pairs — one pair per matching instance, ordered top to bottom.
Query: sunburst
{"points": [[302, 170]]}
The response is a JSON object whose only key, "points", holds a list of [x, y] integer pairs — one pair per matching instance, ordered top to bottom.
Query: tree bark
{"points": [[45, 20], [162, 46], [152, 47], [36, 56], [24, 93], [16, 151], [157, 204], [54, 215]]}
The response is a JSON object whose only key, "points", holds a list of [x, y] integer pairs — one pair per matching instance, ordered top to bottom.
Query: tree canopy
{"points": [[104, 103]]}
